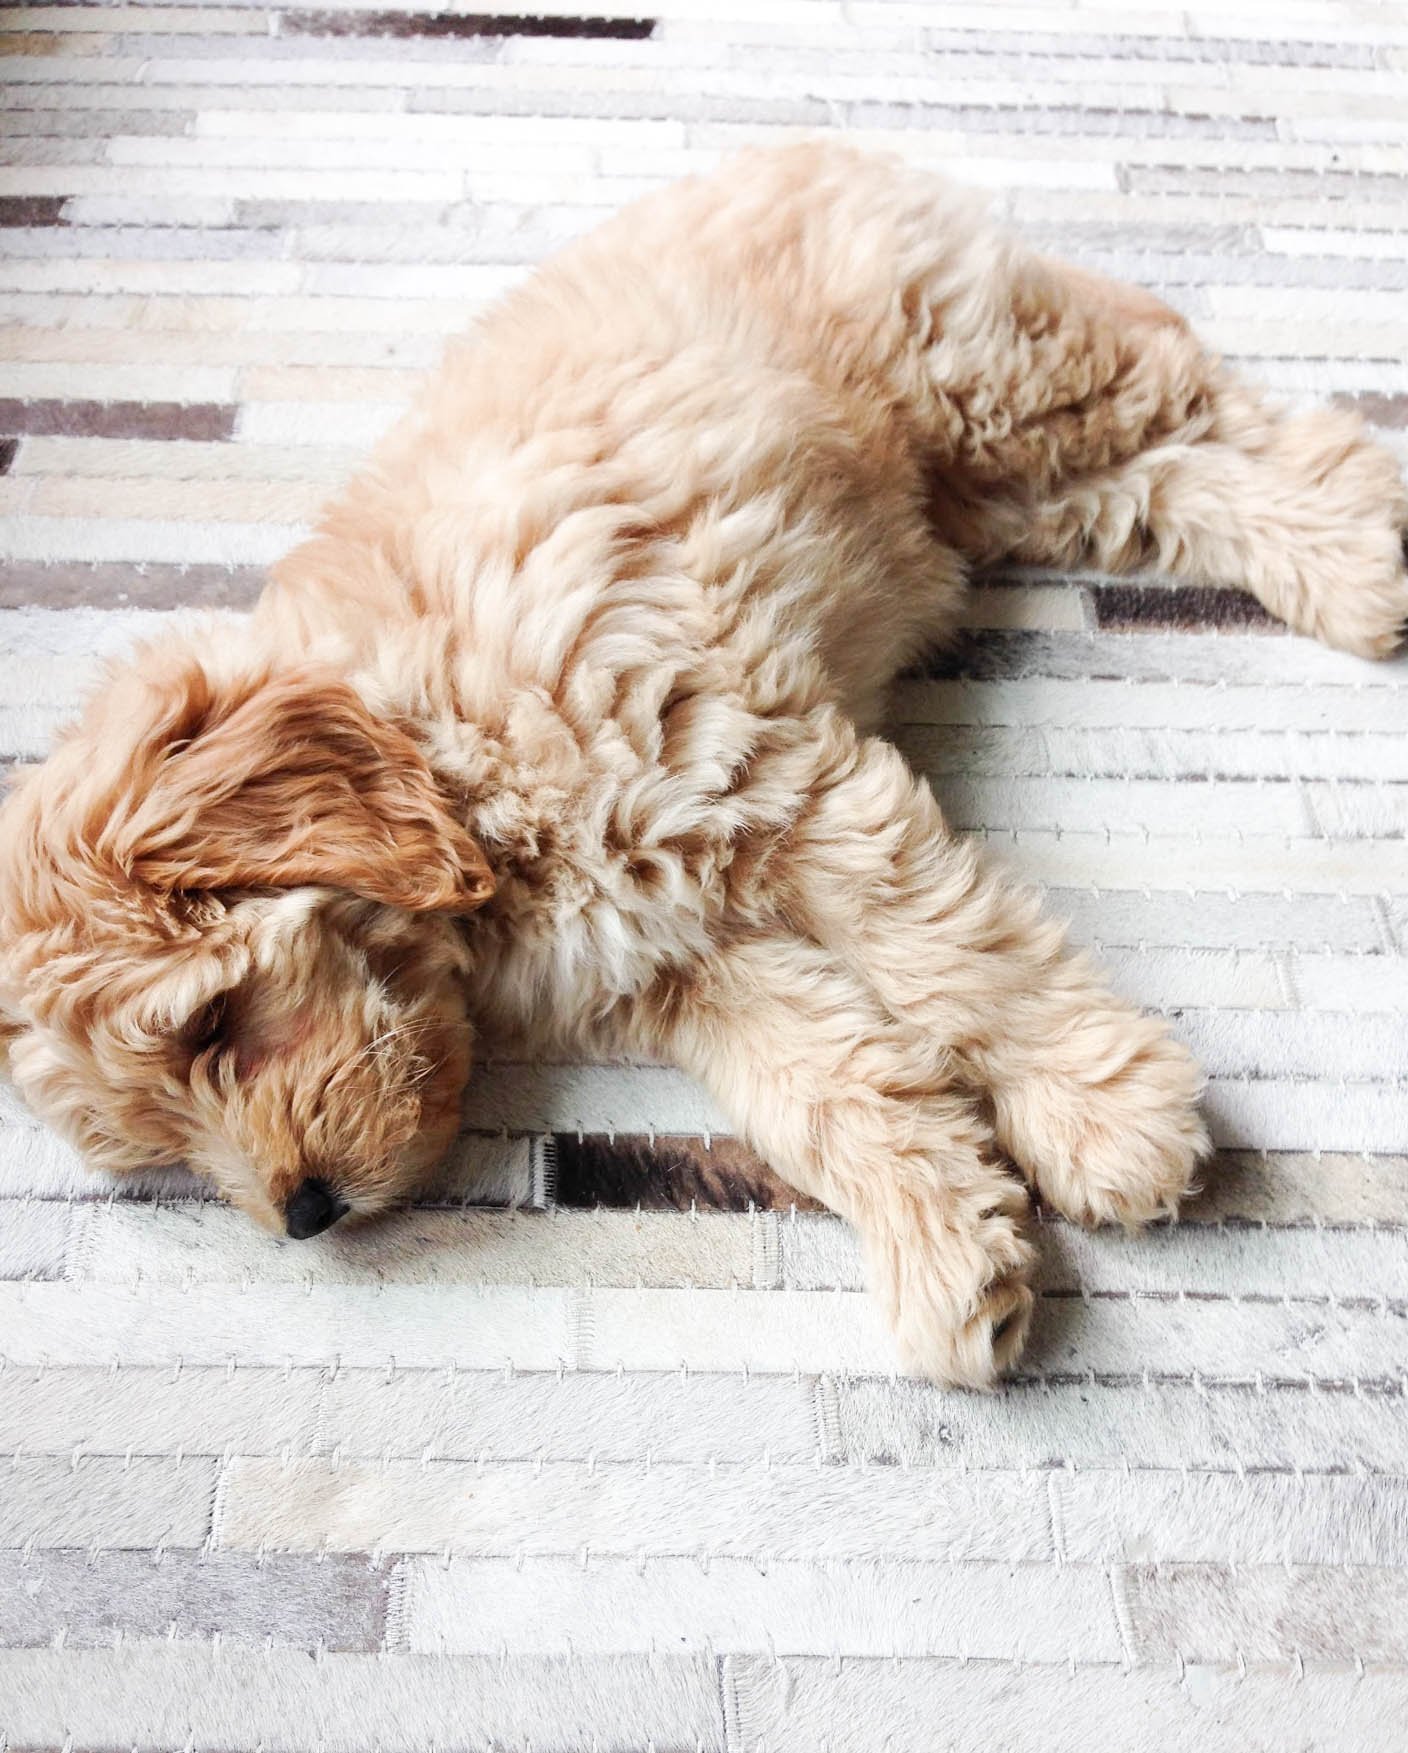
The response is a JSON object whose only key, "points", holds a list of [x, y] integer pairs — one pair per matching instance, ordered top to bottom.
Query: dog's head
{"points": [[228, 937]]}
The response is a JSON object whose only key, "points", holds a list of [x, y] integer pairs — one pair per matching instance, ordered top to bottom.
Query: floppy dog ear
{"points": [[291, 780]]}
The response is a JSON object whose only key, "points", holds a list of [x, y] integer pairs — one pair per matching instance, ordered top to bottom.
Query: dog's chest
{"points": [[626, 842], [615, 891], [555, 969]]}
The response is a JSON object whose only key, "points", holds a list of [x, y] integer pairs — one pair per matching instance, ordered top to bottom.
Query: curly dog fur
{"points": [[562, 727]]}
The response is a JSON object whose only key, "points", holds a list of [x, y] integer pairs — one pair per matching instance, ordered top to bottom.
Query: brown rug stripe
{"points": [[458, 24], [32, 209], [1378, 410], [77, 419], [78, 584], [1132, 608], [677, 1173], [668, 1174]]}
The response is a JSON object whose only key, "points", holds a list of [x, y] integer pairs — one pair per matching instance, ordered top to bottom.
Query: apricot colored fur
{"points": [[562, 728]]}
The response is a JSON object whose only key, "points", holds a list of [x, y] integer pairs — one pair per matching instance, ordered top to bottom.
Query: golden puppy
{"points": [[563, 726]]}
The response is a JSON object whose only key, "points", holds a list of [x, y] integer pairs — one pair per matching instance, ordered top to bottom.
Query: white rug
{"points": [[577, 1466]]}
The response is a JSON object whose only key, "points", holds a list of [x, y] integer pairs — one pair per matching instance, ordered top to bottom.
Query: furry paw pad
{"points": [[1350, 555], [1121, 1148], [960, 1303], [973, 1352]]}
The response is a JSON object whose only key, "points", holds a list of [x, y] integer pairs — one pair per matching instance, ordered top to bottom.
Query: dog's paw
{"points": [[1348, 543], [1366, 613], [1120, 1144], [957, 1294], [974, 1349]]}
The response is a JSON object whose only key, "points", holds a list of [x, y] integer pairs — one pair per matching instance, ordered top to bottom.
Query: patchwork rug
{"points": [[602, 1447]]}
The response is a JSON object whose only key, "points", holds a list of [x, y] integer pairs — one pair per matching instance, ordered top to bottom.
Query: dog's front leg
{"points": [[1096, 1103], [852, 1109]]}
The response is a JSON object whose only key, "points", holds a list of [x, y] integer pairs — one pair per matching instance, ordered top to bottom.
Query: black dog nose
{"points": [[313, 1208]]}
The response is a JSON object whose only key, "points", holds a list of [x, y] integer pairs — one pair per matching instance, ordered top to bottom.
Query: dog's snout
{"points": [[312, 1208]]}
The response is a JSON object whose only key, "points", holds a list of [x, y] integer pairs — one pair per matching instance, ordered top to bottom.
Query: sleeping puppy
{"points": [[563, 727]]}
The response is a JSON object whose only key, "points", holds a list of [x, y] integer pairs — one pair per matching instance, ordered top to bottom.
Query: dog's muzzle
{"points": [[313, 1208]]}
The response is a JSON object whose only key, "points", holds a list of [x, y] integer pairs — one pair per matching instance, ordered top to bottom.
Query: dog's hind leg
{"points": [[892, 289], [1061, 374], [1065, 418], [1303, 510]]}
